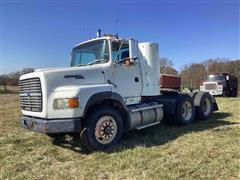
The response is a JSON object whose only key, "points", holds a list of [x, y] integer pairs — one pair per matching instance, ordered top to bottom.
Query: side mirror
{"points": [[133, 49]]}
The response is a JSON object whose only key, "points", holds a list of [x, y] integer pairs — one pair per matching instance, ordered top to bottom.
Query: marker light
{"points": [[66, 103]]}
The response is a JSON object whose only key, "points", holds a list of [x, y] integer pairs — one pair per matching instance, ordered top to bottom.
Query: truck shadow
{"points": [[152, 136]]}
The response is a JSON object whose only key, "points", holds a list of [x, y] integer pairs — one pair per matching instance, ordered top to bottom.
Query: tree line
{"points": [[195, 73], [12, 79]]}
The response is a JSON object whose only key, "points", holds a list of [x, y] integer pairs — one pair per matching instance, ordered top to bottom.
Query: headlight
{"points": [[220, 87], [66, 103]]}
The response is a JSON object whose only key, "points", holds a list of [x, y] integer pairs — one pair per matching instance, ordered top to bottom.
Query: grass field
{"points": [[9, 90], [209, 149]]}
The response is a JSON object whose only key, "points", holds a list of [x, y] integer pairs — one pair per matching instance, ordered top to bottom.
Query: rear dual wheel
{"points": [[199, 103], [204, 105], [184, 111]]}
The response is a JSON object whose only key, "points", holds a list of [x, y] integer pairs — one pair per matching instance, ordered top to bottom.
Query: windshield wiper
{"points": [[97, 61]]}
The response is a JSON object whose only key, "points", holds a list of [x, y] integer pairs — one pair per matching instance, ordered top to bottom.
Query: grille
{"points": [[212, 86], [30, 94]]}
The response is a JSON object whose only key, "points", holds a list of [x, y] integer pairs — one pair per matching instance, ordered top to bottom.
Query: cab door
{"points": [[127, 78]]}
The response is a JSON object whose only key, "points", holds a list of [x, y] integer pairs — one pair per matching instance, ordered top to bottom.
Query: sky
{"points": [[41, 34]]}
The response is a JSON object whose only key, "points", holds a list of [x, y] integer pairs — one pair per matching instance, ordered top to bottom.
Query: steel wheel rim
{"points": [[206, 106], [187, 110], [106, 129]]}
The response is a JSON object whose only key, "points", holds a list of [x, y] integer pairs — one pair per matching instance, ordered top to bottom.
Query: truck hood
{"points": [[48, 69], [56, 78], [210, 82], [214, 82]]}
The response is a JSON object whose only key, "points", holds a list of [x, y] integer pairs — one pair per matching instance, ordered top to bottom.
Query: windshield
{"points": [[94, 52], [215, 78]]}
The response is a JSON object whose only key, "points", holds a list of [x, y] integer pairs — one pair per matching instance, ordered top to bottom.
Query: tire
{"points": [[236, 92], [224, 93], [233, 93], [204, 105], [184, 112], [103, 129]]}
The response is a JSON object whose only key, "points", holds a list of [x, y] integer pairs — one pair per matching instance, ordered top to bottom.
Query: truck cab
{"points": [[221, 84], [112, 86]]}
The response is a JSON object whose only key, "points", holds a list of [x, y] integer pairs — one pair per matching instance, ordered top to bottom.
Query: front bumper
{"points": [[215, 92], [51, 126]]}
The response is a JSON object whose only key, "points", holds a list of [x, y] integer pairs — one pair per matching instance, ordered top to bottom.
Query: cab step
{"points": [[146, 125]]}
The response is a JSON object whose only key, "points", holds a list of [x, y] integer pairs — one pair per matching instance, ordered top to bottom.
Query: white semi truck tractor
{"points": [[112, 86]]}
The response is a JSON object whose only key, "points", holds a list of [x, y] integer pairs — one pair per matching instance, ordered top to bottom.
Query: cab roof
{"points": [[107, 37]]}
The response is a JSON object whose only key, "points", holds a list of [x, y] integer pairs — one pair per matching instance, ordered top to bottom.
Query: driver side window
{"points": [[119, 51]]}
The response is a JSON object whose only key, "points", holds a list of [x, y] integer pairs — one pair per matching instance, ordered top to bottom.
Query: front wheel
{"points": [[103, 129]]}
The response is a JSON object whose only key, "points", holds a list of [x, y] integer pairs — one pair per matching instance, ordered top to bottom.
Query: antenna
{"points": [[117, 22], [84, 24], [99, 33]]}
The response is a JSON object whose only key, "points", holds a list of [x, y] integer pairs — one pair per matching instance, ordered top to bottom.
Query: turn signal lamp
{"points": [[66, 103]]}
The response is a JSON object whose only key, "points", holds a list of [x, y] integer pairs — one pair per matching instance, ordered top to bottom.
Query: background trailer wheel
{"points": [[204, 105], [103, 129]]}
